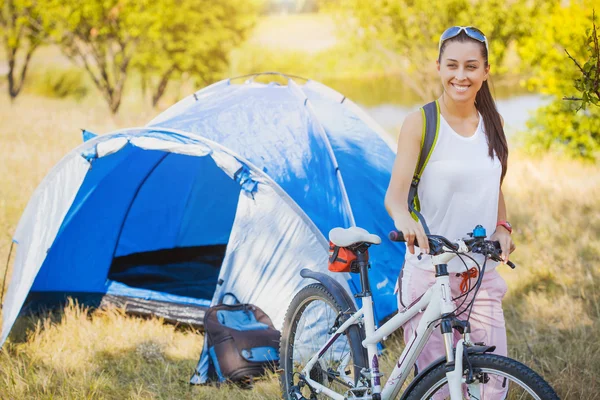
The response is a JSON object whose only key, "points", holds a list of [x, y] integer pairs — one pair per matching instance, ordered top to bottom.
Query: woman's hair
{"points": [[484, 103]]}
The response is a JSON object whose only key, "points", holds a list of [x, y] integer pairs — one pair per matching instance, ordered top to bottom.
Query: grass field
{"points": [[553, 306]]}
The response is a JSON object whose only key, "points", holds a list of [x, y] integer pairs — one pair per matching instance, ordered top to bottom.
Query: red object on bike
{"points": [[341, 258], [464, 284]]}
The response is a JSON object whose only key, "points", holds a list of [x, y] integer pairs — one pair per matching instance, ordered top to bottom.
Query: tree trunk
{"points": [[144, 83], [15, 85], [162, 86], [12, 91], [112, 91], [115, 96]]}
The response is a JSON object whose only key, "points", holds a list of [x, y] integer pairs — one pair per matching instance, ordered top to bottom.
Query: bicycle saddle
{"points": [[345, 237]]}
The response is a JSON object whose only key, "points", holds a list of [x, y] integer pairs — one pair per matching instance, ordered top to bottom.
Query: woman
{"points": [[459, 188]]}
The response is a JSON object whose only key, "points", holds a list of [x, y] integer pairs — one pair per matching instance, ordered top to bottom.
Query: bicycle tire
{"points": [[300, 303], [488, 363]]}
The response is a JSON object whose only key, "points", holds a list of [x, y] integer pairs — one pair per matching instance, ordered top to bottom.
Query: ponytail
{"points": [[484, 102]]}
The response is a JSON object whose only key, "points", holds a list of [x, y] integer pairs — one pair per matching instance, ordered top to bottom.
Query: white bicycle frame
{"points": [[436, 301]]}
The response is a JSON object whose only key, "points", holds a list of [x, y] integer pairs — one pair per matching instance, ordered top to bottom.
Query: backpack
{"points": [[431, 129], [242, 342]]}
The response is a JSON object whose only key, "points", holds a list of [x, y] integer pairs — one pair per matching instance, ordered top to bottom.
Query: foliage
{"points": [[406, 32], [21, 34], [103, 36], [162, 38], [195, 39], [542, 50], [588, 84], [560, 125]]}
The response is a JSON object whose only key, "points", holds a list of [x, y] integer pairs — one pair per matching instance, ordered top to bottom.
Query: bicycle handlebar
{"points": [[397, 236], [488, 248]]}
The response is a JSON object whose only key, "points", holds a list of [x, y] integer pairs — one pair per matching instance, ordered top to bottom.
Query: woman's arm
{"points": [[396, 197], [501, 208], [502, 234]]}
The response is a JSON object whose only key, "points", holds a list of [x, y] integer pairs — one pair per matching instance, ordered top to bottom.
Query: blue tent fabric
{"points": [[299, 125], [271, 127], [87, 135], [365, 160], [263, 171]]}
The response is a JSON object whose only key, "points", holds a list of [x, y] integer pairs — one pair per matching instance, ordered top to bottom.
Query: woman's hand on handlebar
{"points": [[413, 232], [506, 244]]}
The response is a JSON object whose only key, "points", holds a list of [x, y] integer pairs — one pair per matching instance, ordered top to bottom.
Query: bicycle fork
{"points": [[454, 355]]}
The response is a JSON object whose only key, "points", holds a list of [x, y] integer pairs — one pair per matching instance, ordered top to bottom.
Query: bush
{"points": [[60, 83], [559, 126]]}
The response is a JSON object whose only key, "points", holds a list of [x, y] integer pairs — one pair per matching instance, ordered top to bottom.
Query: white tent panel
{"points": [[37, 229], [263, 262]]}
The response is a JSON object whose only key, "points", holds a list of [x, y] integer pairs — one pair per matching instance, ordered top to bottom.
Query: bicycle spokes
{"points": [[335, 366]]}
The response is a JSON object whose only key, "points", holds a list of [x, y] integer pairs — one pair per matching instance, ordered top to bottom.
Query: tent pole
{"points": [[332, 157]]}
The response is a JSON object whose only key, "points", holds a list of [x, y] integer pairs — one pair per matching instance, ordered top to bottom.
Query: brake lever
{"points": [[509, 263]]}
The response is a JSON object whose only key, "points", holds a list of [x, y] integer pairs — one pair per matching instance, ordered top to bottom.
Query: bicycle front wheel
{"points": [[309, 323], [495, 377]]}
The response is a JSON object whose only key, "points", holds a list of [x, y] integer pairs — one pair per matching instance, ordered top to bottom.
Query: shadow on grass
{"points": [[38, 318], [147, 371]]}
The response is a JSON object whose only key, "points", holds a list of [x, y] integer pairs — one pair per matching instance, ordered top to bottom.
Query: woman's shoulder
{"points": [[413, 125]]}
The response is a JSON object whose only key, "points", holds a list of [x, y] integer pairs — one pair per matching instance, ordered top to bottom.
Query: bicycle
{"points": [[348, 360]]}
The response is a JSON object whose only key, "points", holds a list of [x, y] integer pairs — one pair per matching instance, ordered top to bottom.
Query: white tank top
{"points": [[459, 189]]}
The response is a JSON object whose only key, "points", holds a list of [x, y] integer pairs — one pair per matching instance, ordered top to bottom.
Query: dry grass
{"points": [[552, 308], [106, 355]]}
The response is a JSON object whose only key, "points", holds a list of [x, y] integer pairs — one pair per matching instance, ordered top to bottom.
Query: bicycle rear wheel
{"points": [[308, 321], [496, 377]]}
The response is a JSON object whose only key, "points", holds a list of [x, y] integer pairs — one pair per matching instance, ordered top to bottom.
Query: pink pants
{"points": [[487, 317]]}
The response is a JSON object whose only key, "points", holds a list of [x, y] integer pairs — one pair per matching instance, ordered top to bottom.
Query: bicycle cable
{"points": [[476, 288], [468, 291]]}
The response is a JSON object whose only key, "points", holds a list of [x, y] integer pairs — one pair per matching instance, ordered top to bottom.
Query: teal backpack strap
{"points": [[431, 128]]}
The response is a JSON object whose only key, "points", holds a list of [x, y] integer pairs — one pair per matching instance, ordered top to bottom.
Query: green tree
{"points": [[406, 32], [21, 36], [103, 36], [195, 39], [542, 50], [559, 125]]}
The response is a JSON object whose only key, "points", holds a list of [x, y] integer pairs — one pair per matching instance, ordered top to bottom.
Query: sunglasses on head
{"points": [[471, 32]]}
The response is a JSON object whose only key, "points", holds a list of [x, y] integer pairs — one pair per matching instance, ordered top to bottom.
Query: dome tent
{"points": [[332, 159], [232, 189], [79, 218]]}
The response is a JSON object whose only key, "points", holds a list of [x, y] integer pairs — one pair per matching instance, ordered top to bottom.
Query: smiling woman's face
{"points": [[462, 70]]}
